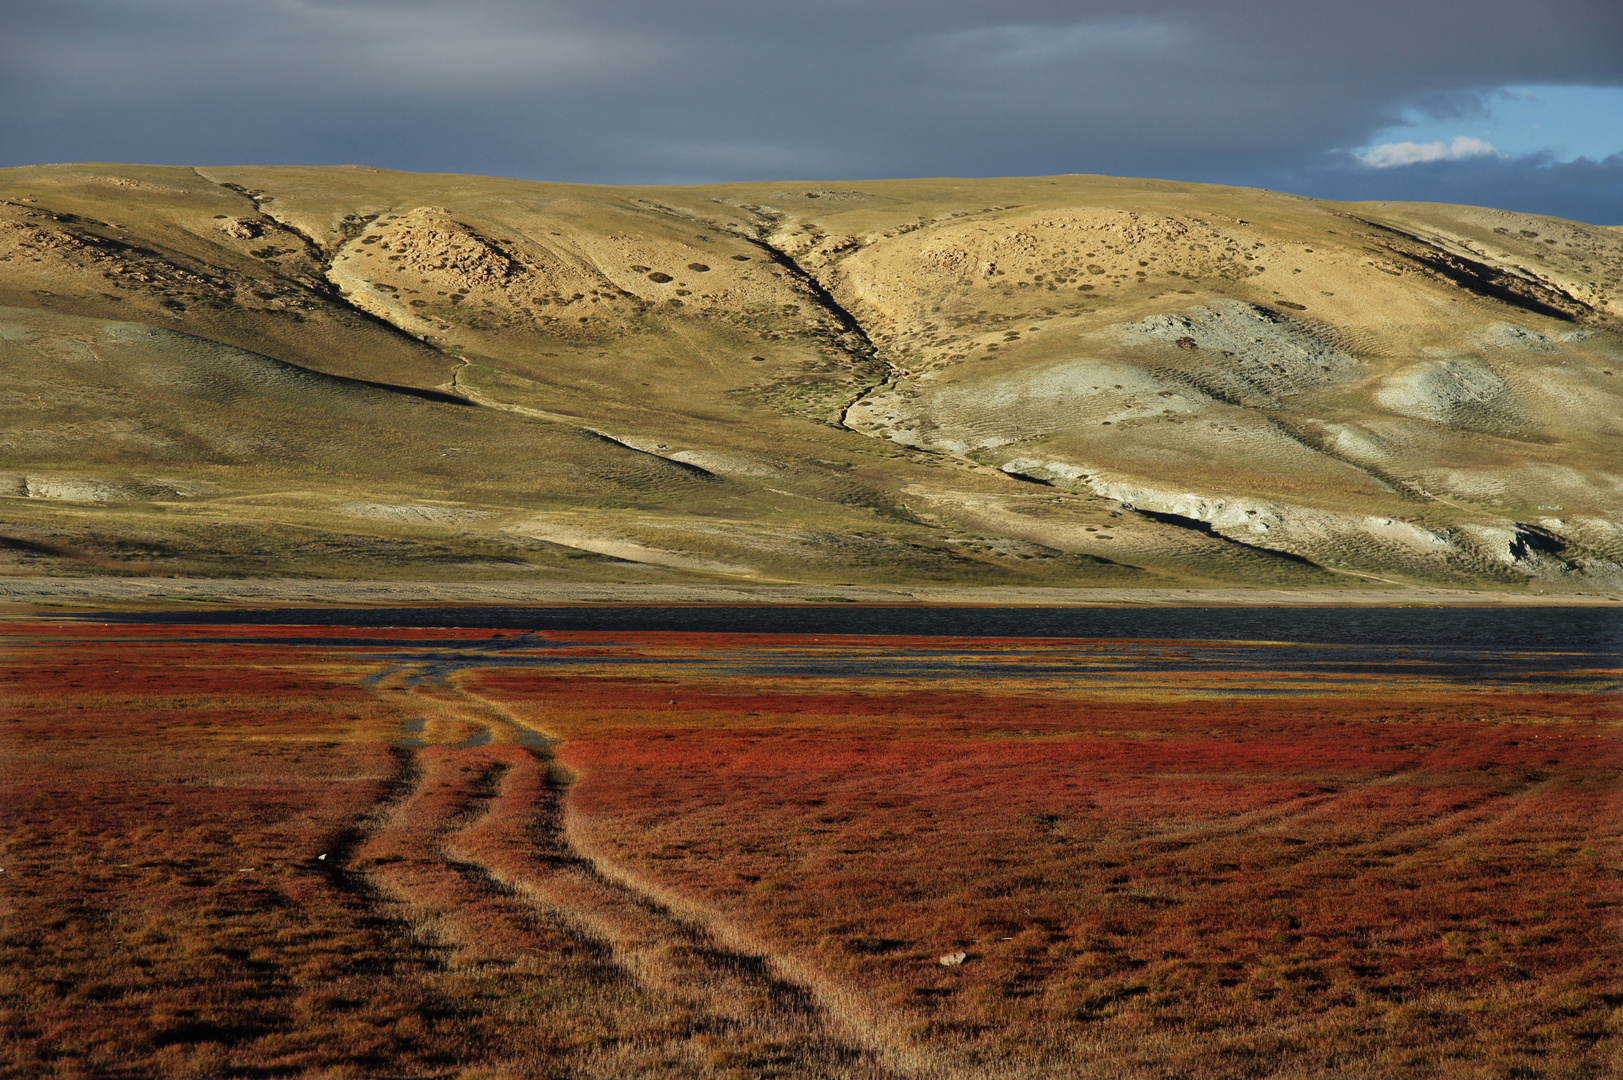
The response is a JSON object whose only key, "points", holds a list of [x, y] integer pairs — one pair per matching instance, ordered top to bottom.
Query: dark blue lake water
{"points": [[1587, 629], [1268, 650]]}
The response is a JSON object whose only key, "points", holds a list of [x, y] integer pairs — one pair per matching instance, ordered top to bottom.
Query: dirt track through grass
{"points": [[490, 852]]}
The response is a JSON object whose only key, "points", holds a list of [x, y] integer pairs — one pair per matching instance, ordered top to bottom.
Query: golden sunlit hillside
{"points": [[1077, 380]]}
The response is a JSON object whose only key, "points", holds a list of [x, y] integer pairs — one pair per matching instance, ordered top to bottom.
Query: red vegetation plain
{"points": [[699, 873]]}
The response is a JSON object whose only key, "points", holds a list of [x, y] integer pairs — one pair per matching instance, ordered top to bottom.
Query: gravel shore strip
{"points": [[23, 593]]}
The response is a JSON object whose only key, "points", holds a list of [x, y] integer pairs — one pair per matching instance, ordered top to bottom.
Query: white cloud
{"points": [[1388, 155]]}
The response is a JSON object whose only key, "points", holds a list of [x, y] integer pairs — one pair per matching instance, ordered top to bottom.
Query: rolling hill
{"points": [[1079, 380]]}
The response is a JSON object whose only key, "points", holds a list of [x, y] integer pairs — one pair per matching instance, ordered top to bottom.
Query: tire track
{"points": [[1266, 819], [1468, 820], [1456, 828], [493, 844], [338, 864], [493, 951]]}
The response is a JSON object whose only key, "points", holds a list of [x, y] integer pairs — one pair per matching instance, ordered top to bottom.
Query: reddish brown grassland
{"points": [[583, 870]]}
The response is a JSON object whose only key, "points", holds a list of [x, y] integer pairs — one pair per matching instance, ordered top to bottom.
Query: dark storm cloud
{"points": [[626, 90]]}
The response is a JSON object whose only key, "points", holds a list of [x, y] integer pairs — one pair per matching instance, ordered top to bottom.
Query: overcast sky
{"points": [[1514, 104]]}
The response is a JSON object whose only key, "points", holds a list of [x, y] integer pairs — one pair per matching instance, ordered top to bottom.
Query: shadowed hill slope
{"points": [[1082, 380]]}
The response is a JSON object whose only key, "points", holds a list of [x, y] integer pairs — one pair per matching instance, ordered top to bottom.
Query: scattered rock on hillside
{"points": [[241, 228], [1246, 353]]}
